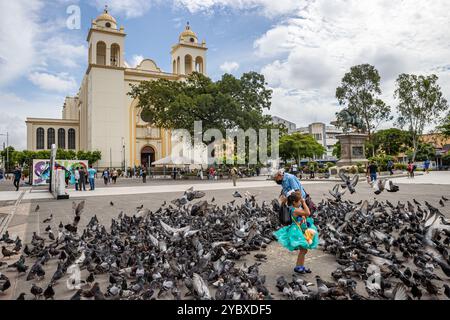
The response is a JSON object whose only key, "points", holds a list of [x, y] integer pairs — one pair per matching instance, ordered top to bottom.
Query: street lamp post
{"points": [[7, 149], [123, 154]]}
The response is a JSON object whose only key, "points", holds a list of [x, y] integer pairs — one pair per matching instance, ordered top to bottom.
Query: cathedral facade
{"points": [[102, 116]]}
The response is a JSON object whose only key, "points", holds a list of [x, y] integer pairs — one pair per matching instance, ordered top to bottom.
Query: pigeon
{"points": [[349, 183], [390, 187], [335, 192], [236, 194], [111, 203], [441, 203], [140, 207], [37, 208], [49, 219], [7, 253], [5, 284], [447, 290], [36, 291], [49, 293], [21, 296]]}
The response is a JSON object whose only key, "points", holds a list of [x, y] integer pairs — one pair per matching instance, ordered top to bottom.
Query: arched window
{"points": [[101, 53], [115, 55], [187, 64], [199, 64], [178, 65], [174, 66], [50, 137], [40, 138], [61, 138], [71, 138]]}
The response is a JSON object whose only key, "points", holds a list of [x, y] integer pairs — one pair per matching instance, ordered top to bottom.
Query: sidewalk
{"points": [[434, 177], [142, 189]]}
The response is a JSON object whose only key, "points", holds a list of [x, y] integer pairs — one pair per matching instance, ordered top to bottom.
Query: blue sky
{"points": [[303, 47]]}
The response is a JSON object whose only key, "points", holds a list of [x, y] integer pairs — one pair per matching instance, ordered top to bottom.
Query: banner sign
{"points": [[41, 169]]}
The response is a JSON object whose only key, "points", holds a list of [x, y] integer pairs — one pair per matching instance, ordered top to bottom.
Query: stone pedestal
{"points": [[352, 149]]}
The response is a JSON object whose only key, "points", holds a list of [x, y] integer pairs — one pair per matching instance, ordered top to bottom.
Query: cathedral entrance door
{"points": [[147, 156]]}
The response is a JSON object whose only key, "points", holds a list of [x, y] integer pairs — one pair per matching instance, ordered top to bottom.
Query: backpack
{"points": [[311, 205], [284, 215]]}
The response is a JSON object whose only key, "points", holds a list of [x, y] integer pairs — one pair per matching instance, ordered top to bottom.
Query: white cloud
{"points": [[127, 8], [269, 8], [17, 39], [28, 41], [314, 48], [65, 54], [135, 61], [229, 66], [61, 82], [15, 110]]}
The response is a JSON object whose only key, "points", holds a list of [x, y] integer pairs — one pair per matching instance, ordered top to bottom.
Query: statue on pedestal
{"points": [[348, 120], [352, 143]]}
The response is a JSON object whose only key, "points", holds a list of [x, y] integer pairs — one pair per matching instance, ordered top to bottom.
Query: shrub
{"points": [[400, 166]]}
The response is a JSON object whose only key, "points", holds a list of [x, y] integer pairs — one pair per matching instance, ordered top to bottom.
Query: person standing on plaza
{"points": [[390, 166], [426, 166], [372, 170], [174, 173], [233, 173], [91, 174], [17, 175], [114, 175], [144, 175], [105, 176], [77, 178], [82, 180], [288, 183]]}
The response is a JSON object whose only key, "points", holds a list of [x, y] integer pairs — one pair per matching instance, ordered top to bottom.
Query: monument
{"points": [[352, 142]]}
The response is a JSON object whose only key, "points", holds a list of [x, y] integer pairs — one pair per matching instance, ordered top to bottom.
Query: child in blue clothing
{"points": [[293, 237]]}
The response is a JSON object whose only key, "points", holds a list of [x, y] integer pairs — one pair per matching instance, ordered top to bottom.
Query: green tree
{"points": [[359, 93], [420, 102], [225, 104], [444, 128], [391, 141], [297, 146], [337, 150], [424, 151]]}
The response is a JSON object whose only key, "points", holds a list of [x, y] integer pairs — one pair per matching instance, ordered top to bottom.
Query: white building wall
{"points": [[108, 124]]}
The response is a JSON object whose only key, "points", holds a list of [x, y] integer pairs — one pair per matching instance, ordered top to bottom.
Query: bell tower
{"points": [[106, 42], [188, 55]]}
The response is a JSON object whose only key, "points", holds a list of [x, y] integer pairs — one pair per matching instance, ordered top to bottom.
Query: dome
{"points": [[105, 16], [106, 20], [188, 35]]}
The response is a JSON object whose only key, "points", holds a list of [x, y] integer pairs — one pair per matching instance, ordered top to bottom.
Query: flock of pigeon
{"points": [[183, 249], [190, 249]]}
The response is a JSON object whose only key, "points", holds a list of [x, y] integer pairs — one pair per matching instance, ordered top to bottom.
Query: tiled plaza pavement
{"points": [[280, 261]]}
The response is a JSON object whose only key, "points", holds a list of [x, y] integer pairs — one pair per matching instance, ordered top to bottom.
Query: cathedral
{"points": [[102, 116]]}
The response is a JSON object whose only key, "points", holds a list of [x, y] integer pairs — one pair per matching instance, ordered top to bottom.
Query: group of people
{"points": [[110, 176], [79, 177]]}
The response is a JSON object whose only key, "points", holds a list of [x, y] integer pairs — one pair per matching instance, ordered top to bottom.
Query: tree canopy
{"points": [[359, 92], [420, 102], [225, 104], [444, 128], [391, 141], [298, 145]]}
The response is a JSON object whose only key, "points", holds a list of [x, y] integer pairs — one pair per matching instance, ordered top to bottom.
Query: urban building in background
{"points": [[102, 116], [290, 126], [325, 135]]}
